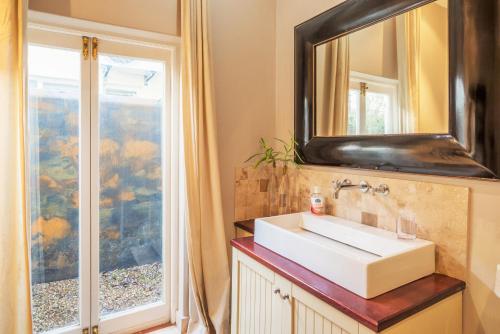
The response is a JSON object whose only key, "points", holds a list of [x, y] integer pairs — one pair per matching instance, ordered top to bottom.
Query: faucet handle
{"points": [[365, 187], [382, 189]]}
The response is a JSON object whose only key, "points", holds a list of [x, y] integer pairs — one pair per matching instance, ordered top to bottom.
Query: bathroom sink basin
{"points": [[363, 259]]}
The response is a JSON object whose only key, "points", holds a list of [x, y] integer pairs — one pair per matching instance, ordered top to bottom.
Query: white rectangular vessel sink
{"points": [[363, 259]]}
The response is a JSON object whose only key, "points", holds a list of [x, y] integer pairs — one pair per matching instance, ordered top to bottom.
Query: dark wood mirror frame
{"points": [[472, 146]]}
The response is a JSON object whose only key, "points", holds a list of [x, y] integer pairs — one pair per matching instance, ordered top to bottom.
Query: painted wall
{"points": [[152, 15], [243, 47], [373, 50], [481, 306]]}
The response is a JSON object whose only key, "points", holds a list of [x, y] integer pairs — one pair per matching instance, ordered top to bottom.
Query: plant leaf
{"points": [[253, 156], [260, 161]]}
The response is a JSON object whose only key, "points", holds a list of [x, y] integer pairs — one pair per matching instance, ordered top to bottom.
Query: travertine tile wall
{"points": [[441, 211]]}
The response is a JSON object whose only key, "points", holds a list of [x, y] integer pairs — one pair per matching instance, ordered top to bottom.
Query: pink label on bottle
{"points": [[317, 206]]}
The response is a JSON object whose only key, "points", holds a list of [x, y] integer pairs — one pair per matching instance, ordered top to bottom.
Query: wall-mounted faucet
{"points": [[344, 184], [363, 186]]}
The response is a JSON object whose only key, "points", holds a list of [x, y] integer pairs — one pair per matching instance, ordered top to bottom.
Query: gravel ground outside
{"points": [[56, 304]]}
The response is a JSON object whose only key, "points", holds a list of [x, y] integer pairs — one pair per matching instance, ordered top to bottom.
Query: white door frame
{"points": [[112, 40], [72, 42], [153, 314]]}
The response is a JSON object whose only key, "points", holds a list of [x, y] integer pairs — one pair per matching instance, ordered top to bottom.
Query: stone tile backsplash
{"points": [[441, 211]]}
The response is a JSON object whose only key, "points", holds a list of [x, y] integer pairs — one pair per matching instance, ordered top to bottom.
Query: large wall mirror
{"points": [[388, 78], [390, 85]]}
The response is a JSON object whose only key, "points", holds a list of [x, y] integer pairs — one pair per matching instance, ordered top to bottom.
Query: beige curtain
{"points": [[408, 55], [333, 89], [206, 243], [15, 309]]}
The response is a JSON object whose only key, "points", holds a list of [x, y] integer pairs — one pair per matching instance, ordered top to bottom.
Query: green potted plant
{"points": [[278, 190]]}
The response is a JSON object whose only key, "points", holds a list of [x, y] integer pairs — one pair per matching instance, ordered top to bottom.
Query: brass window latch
{"points": [[86, 47], [85, 52], [94, 55], [363, 87], [95, 330]]}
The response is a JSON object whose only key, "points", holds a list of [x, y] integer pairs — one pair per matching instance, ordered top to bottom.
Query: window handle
{"points": [[85, 47]]}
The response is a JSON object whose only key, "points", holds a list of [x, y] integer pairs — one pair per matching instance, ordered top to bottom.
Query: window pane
{"points": [[131, 99], [377, 109], [353, 112], [53, 136]]}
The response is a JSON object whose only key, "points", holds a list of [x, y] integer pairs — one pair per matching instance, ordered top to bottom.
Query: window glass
{"points": [[131, 99], [54, 138]]}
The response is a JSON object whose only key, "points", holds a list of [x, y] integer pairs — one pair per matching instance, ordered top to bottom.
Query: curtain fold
{"points": [[408, 55], [333, 116], [206, 243], [15, 305]]}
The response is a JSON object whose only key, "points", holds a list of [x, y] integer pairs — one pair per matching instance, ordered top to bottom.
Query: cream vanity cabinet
{"points": [[264, 302], [267, 303]]}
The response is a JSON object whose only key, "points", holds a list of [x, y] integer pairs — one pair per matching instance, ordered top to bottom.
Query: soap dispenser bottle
{"points": [[317, 201]]}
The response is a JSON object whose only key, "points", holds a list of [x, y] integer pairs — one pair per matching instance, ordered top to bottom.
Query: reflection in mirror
{"points": [[388, 78]]}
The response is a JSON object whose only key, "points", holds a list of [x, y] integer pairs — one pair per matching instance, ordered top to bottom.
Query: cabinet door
{"points": [[252, 296], [282, 306], [313, 316]]}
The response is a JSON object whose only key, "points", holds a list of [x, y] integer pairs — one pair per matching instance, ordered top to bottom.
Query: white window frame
{"points": [[64, 27], [380, 85]]}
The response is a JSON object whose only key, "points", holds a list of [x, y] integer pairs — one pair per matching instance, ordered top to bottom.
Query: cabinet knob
{"points": [[276, 291], [286, 297]]}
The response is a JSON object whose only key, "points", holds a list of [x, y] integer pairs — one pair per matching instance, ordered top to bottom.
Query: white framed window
{"points": [[373, 105], [103, 134]]}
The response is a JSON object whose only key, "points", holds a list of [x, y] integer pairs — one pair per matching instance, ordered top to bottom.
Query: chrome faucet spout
{"points": [[339, 185], [363, 186]]}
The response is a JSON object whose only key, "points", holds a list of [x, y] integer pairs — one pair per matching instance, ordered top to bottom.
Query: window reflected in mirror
{"points": [[388, 78]]}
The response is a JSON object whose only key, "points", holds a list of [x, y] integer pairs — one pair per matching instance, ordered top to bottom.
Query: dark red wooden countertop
{"points": [[377, 313]]}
